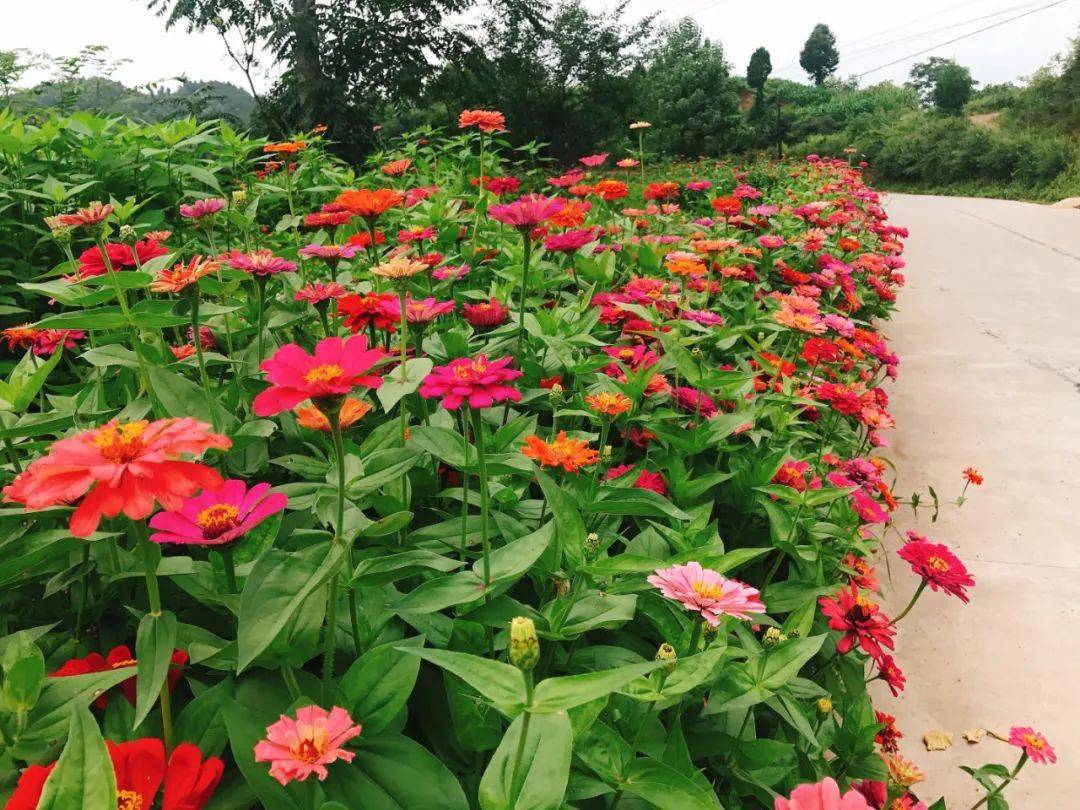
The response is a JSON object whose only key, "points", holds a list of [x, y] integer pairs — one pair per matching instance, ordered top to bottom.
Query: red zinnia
{"points": [[335, 369], [938, 567], [860, 620]]}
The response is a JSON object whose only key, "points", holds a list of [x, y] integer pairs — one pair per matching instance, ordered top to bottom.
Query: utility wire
{"points": [[896, 28], [957, 39]]}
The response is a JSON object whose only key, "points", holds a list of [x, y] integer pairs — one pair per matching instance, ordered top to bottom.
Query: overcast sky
{"points": [[870, 34]]}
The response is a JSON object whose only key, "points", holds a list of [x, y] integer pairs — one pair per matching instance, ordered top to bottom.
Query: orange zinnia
{"points": [[484, 120], [284, 147], [396, 168], [369, 204], [181, 275], [609, 403], [352, 410], [570, 454]]}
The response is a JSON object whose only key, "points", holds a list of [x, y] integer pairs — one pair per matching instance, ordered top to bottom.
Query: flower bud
{"points": [[239, 196], [128, 235], [696, 353], [556, 393], [605, 452], [591, 546], [562, 587], [794, 632], [773, 637], [524, 645], [667, 653], [824, 706]]}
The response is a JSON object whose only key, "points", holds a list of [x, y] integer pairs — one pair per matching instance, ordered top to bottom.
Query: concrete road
{"points": [[988, 333]]}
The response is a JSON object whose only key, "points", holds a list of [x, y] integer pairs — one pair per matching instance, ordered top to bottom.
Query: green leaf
{"points": [[25, 380], [393, 389], [381, 468], [633, 501], [569, 525], [392, 567], [275, 590], [154, 646], [784, 662], [24, 674], [378, 684], [500, 684], [567, 691], [61, 696], [245, 730], [83, 776], [538, 780], [666, 788]]}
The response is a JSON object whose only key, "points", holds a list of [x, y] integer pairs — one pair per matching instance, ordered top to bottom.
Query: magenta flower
{"points": [[593, 161], [699, 185], [202, 208], [527, 211], [568, 241], [771, 241], [330, 253], [260, 263], [450, 272], [421, 311], [703, 316], [47, 341], [337, 367], [479, 383], [694, 401], [216, 517], [938, 567], [707, 592], [1034, 744], [298, 748], [824, 795]]}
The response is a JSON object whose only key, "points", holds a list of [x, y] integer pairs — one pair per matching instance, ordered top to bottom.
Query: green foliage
{"points": [[819, 56], [943, 83]]}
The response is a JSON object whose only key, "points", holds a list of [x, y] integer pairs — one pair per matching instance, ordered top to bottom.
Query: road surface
{"points": [[988, 332]]}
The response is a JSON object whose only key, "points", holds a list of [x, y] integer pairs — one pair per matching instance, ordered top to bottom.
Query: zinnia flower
{"points": [[484, 120], [594, 161], [368, 204], [202, 208], [527, 212], [94, 214], [568, 241], [329, 253], [260, 263], [398, 269], [450, 272], [182, 275], [317, 292], [358, 311], [422, 311], [486, 314], [48, 341], [337, 367], [479, 383], [608, 403], [352, 410], [569, 454], [120, 467], [972, 476], [216, 517], [938, 567], [707, 592], [860, 620], [118, 657], [1034, 745], [298, 748], [140, 769], [824, 795]]}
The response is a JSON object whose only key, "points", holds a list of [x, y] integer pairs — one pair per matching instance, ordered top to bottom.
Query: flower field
{"points": [[458, 480]]}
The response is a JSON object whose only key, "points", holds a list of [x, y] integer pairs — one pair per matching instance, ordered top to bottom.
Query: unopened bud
{"points": [[239, 196], [127, 234], [696, 353], [556, 393], [605, 452], [591, 546], [562, 587], [709, 630], [794, 632], [773, 637], [524, 645], [667, 653], [824, 705]]}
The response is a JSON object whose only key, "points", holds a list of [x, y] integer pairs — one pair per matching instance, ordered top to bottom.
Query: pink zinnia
{"points": [[593, 161], [698, 185], [202, 208], [527, 211], [568, 241], [771, 241], [329, 253], [260, 263], [450, 272], [317, 292], [420, 311], [486, 314], [703, 316], [47, 341], [337, 367], [480, 383], [694, 401], [119, 467], [215, 517], [938, 567], [707, 592], [1034, 744], [298, 748], [824, 795]]}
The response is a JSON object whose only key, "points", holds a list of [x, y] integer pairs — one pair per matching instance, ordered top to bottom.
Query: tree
{"points": [[819, 56], [757, 73], [942, 83], [693, 102]]}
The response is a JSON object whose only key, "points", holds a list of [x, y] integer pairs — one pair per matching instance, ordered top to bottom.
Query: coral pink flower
{"points": [[484, 120], [593, 161], [202, 208], [528, 211], [94, 214], [329, 253], [260, 263], [450, 272], [317, 292], [360, 311], [422, 311], [47, 341], [337, 367], [479, 383], [119, 467], [216, 517], [938, 567], [707, 592], [860, 620], [889, 672], [1034, 744], [298, 748], [824, 795]]}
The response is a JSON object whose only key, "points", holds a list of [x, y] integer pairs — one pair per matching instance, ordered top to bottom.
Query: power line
{"points": [[896, 28], [957, 39], [845, 53]]}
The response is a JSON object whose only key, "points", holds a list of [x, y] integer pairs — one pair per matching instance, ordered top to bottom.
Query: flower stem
{"points": [[527, 255], [260, 292], [402, 295], [122, 300], [197, 339], [478, 437], [464, 486], [150, 556], [230, 567], [332, 592], [911, 604], [695, 637], [515, 773], [997, 791]]}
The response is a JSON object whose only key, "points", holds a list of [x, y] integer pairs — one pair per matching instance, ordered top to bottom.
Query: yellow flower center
{"points": [[467, 372], [323, 374], [121, 443], [217, 519], [937, 564], [706, 590], [1034, 742], [311, 743], [128, 800]]}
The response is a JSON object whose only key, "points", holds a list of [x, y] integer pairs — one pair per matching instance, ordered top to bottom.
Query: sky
{"points": [[869, 33]]}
